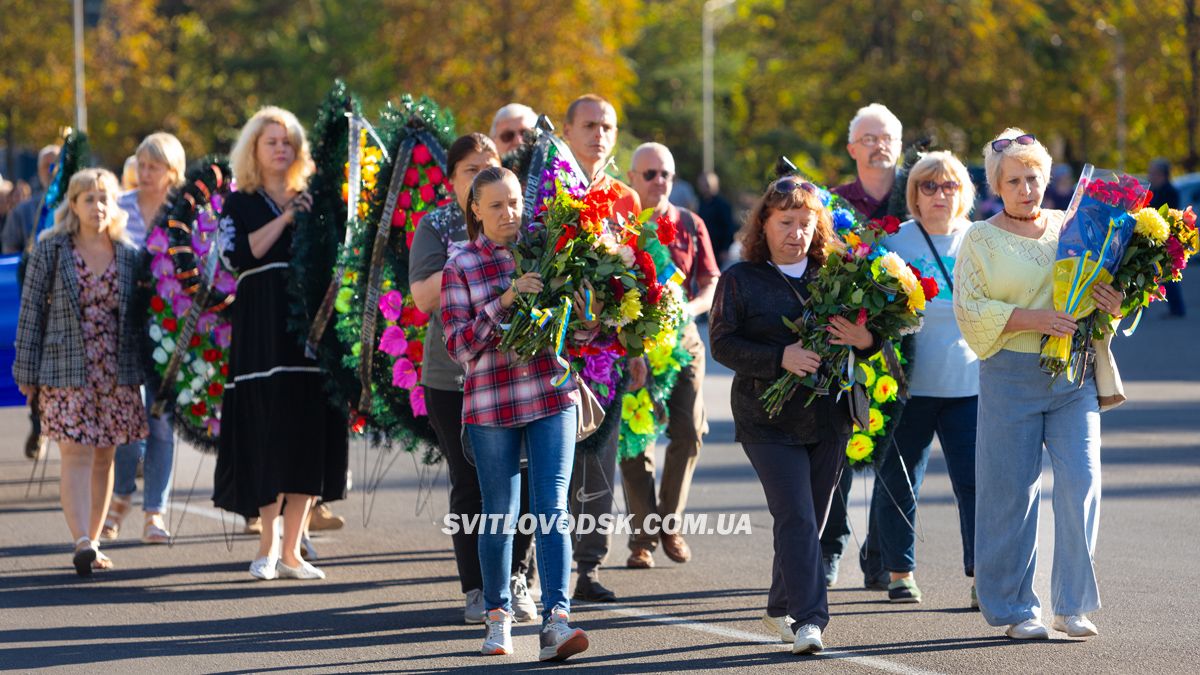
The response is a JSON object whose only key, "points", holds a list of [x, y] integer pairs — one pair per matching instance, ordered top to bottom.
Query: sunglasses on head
{"points": [[508, 135], [1000, 144], [650, 174], [789, 184], [930, 188]]}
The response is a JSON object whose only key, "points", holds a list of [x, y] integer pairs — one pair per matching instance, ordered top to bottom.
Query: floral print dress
{"points": [[103, 413]]}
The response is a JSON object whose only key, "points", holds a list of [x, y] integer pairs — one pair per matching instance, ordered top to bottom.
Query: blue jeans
{"points": [[1020, 411], [551, 452], [159, 453], [891, 536]]}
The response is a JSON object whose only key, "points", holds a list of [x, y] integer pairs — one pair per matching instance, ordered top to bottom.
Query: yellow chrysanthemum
{"points": [[1150, 224], [916, 299], [631, 305], [662, 355], [868, 372], [885, 389], [638, 411], [875, 421], [860, 447]]}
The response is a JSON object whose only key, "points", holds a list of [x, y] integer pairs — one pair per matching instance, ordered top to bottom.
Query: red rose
{"points": [[421, 154], [434, 174], [412, 177], [428, 194], [404, 201], [399, 218], [416, 219], [891, 224], [617, 287], [930, 287], [157, 304], [170, 325], [194, 342], [416, 351], [212, 355], [225, 370], [216, 389], [199, 409]]}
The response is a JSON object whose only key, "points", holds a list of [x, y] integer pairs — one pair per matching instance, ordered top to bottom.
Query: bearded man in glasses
{"points": [[874, 144], [651, 174]]}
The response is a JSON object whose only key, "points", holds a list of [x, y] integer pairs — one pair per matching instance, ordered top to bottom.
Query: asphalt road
{"points": [[392, 603]]}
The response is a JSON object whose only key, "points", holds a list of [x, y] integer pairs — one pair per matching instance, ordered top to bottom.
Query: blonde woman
{"points": [[159, 165], [1004, 303], [77, 350], [943, 383], [282, 444]]}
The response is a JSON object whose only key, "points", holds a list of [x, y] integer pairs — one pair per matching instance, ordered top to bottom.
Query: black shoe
{"points": [[33, 443], [878, 582], [592, 591]]}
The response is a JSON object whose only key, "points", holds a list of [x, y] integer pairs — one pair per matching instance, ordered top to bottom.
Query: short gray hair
{"points": [[513, 110], [875, 111], [649, 147]]}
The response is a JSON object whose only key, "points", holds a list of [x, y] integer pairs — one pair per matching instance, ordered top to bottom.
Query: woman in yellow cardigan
{"points": [[1004, 304]]}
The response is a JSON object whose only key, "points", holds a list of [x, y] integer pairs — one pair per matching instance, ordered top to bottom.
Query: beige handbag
{"points": [[1109, 388], [589, 412]]}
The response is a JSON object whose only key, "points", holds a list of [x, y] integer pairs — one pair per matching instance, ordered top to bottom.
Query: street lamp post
{"points": [[706, 29], [80, 101]]}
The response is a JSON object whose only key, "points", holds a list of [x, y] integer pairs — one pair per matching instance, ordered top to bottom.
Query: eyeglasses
{"points": [[508, 135], [871, 140], [1000, 144], [650, 174], [930, 188]]}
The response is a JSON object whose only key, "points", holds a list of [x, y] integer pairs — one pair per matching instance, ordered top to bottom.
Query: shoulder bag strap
{"points": [[937, 257]]}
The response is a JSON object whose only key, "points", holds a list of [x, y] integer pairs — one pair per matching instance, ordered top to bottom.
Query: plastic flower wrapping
{"points": [[1163, 240], [1091, 245], [864, 282], [188, 335]]}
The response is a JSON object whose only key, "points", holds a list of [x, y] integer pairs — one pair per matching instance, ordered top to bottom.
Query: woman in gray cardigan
{"points": [[77, 350]]}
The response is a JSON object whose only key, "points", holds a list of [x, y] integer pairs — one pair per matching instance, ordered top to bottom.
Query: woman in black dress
{"points": [[282, 444]]}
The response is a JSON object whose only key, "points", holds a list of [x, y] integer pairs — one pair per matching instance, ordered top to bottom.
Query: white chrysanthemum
{"points": [[155, 332], [160, 355]]}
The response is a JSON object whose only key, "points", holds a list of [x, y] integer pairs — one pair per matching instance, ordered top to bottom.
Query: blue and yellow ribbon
{"points": [[671, 273], [588, 313], [541, 316], [560, 342]]}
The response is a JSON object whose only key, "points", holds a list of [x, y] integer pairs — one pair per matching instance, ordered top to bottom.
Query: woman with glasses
{"points": [[1004, 303], [943, 381], [798, 455]]}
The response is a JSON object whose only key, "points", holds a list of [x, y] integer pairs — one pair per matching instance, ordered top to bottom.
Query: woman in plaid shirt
{"points": [[507, 402]]}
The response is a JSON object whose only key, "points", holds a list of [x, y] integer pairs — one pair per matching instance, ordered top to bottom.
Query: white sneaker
{"points": [[264, 568], [304, 571], [524, 608], [474, 612], [780, 625], [1075, 626], [1030, 629], [499, 634], [807, 640], [560, 641]]}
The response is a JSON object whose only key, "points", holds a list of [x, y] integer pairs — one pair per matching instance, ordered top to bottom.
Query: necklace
{"points": [[1030, 218]]}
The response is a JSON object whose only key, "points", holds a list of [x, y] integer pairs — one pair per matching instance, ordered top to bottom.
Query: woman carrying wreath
{"points": [[439, 231], [1004, 303], [78, 350], [507, 401], [282, 445], [799, 454]]}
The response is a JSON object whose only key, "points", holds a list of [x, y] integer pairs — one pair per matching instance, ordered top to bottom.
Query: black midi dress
{"points": [[279, 433]]}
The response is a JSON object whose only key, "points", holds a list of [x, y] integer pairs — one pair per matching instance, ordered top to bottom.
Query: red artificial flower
{"points": [[421, 154], [434, 174], [412, 177], [428, 194], [404, 201], [598, 207], [1189, 217], [399, 218], [416, 218], [889, 224], [666, 230], [408, 238], [561, 243], [646, 264], [930, 286], [617, 287], [654, 293], [157, 304], [411, 316], [862, 316], [170, 325], [194, 342], [416, 351], [212, 355], [225, 370], [216, 389], [200, 409], [357, 423]]}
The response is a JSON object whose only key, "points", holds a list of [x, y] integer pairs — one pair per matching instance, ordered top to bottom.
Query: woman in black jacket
{"points": [[798, 454]]}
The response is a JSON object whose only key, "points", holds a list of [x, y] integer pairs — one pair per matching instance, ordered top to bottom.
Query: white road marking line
{"points": [[866, 661]]}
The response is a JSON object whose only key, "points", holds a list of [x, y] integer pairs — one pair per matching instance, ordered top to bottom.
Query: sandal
{"points": [[117, 510], [155, 531], [85, 553], [102, 562]]}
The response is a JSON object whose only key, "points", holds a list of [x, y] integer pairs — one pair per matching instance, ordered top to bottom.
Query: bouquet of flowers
{"points": [[1163, 240], [1091, 245], [864, 282]]}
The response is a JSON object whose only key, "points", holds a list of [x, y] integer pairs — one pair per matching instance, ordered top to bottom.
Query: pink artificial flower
{"points": [[434, 174], [412, 177], [428, 194], [216, 200], [404, 201], [399, 218], [205, 222], [157, 241], [200, 243], [162, 266], [225, 282], [169, 287], [180, 304], [391, 305], [206, 323], [223, 335], [393, 342], [404, 374], [416, 399], [214, 426]]}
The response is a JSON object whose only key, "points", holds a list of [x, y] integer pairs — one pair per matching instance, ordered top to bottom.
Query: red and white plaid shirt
{"points": [[498, 390]]}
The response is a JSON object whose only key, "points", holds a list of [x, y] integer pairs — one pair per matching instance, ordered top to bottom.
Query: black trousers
{"points": [[445, 414], [799, 481]]}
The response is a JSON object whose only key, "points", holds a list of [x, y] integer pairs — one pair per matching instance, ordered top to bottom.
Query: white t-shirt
{"points": [[942, 364]]}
